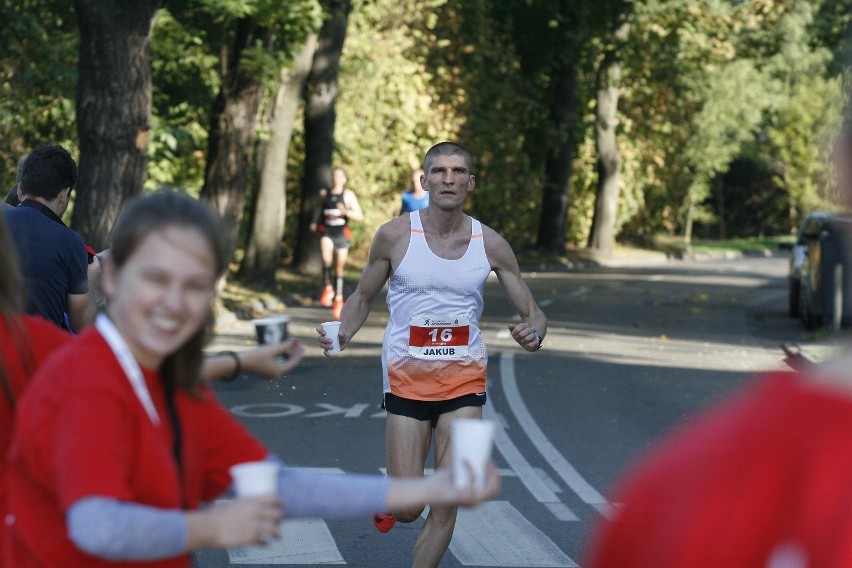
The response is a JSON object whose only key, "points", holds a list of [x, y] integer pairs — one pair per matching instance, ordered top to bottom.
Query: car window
{"points": [[812, 228]]}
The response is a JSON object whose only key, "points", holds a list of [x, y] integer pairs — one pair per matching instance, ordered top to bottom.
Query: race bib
{"points": [[333, 217], [439, 337]]}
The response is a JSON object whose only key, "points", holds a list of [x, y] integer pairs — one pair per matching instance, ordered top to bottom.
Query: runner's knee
{"points": [[408, 515]]}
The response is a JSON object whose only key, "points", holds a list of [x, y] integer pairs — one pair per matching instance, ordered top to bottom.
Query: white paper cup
{"points": [[332, 328], [272, 329], [471, 441], [255, 479]]}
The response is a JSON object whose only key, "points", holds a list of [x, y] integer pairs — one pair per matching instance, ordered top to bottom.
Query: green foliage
{"points": [[189, 41], [38, 73], [185, 78], [725, 80], [735, 101], [387, 110], [500, 113], [801, 125]]}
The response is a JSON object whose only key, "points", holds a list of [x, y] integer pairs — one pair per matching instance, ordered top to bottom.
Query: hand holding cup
{"points": [[329, 337]]}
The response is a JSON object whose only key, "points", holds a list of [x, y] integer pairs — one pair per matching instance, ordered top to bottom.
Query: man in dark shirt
{"points": [[52, 257]]}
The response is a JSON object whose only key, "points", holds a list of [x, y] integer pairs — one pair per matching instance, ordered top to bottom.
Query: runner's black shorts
{"points": [[341, 236], [429, 409]]}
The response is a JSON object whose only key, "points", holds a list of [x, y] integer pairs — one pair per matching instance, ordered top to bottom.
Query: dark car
{"points": [[811, 226], [820, 261]]}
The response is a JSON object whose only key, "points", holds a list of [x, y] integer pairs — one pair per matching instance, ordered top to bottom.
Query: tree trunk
{"points": [[320, 97], [113, 110], [563, 110], [232, 129], [720, 207], [690, 217], [602, 234], [263, 244]]}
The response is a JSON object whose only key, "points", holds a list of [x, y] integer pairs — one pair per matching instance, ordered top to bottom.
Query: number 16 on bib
{"points": [[439, 337]]}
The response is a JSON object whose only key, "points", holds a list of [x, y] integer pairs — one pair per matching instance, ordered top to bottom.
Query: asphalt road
{"points": [[630, 353]]}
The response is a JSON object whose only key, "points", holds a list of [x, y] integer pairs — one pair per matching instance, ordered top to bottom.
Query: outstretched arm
{"points": [[373, 278], [533, 324], [268, 361]]}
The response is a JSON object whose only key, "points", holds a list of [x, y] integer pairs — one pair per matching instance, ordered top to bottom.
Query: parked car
{"points": [[811, 226], [820, 259]]}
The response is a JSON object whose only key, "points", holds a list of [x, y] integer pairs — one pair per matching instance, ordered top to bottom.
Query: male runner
{"points": [[435, 261]]}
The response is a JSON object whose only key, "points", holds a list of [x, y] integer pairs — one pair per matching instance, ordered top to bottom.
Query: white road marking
{"points": [[559, 464], [502, 472], [525, 472], [497, 534], [302, 541]]}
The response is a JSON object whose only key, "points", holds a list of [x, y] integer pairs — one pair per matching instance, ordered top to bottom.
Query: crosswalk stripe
{"points": [[496, 534], [302, 541]]}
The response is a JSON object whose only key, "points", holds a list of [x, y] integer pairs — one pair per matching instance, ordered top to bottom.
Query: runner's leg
{"points": [[327, 252], [339, 266], [407, 443], [435, 536]]}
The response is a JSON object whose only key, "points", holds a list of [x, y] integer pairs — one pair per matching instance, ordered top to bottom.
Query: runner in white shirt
{"points": [[434, 361]]}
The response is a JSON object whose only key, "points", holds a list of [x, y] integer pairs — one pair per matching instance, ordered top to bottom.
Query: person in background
{"points": [[416, 198], [337, 206], [52, 257], [435, 263], [110, 465], [759, 479]]}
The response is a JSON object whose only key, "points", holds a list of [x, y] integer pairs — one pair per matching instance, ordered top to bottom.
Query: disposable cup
{"points": [[272, 329], [331, 330], [471, 441], [255, 479]]}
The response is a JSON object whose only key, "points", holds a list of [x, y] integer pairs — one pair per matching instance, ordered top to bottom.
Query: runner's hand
{"points": [[525, 335]]}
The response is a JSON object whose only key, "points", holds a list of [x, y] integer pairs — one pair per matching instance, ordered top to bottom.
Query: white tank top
{"points": [[432, 348]]}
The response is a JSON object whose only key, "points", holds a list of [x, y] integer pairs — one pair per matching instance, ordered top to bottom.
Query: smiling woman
{"points": [[165, 295], [111, 464]]}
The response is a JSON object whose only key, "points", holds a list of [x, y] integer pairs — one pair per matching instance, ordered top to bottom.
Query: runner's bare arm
{"points": [[353, 207], [505, 265], [373, 278]]}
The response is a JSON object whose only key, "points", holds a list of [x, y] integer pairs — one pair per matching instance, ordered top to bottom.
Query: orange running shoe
{"points": [[326, 296], [337, 309], [383, 521]]}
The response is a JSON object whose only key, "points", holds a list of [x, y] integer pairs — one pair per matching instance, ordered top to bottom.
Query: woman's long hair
{"points": [[156, 211], [12, 296]]}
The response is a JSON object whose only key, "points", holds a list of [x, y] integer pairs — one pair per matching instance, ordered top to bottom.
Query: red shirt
{"points": [[24, 345], [89, 435], [764, 474]]}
